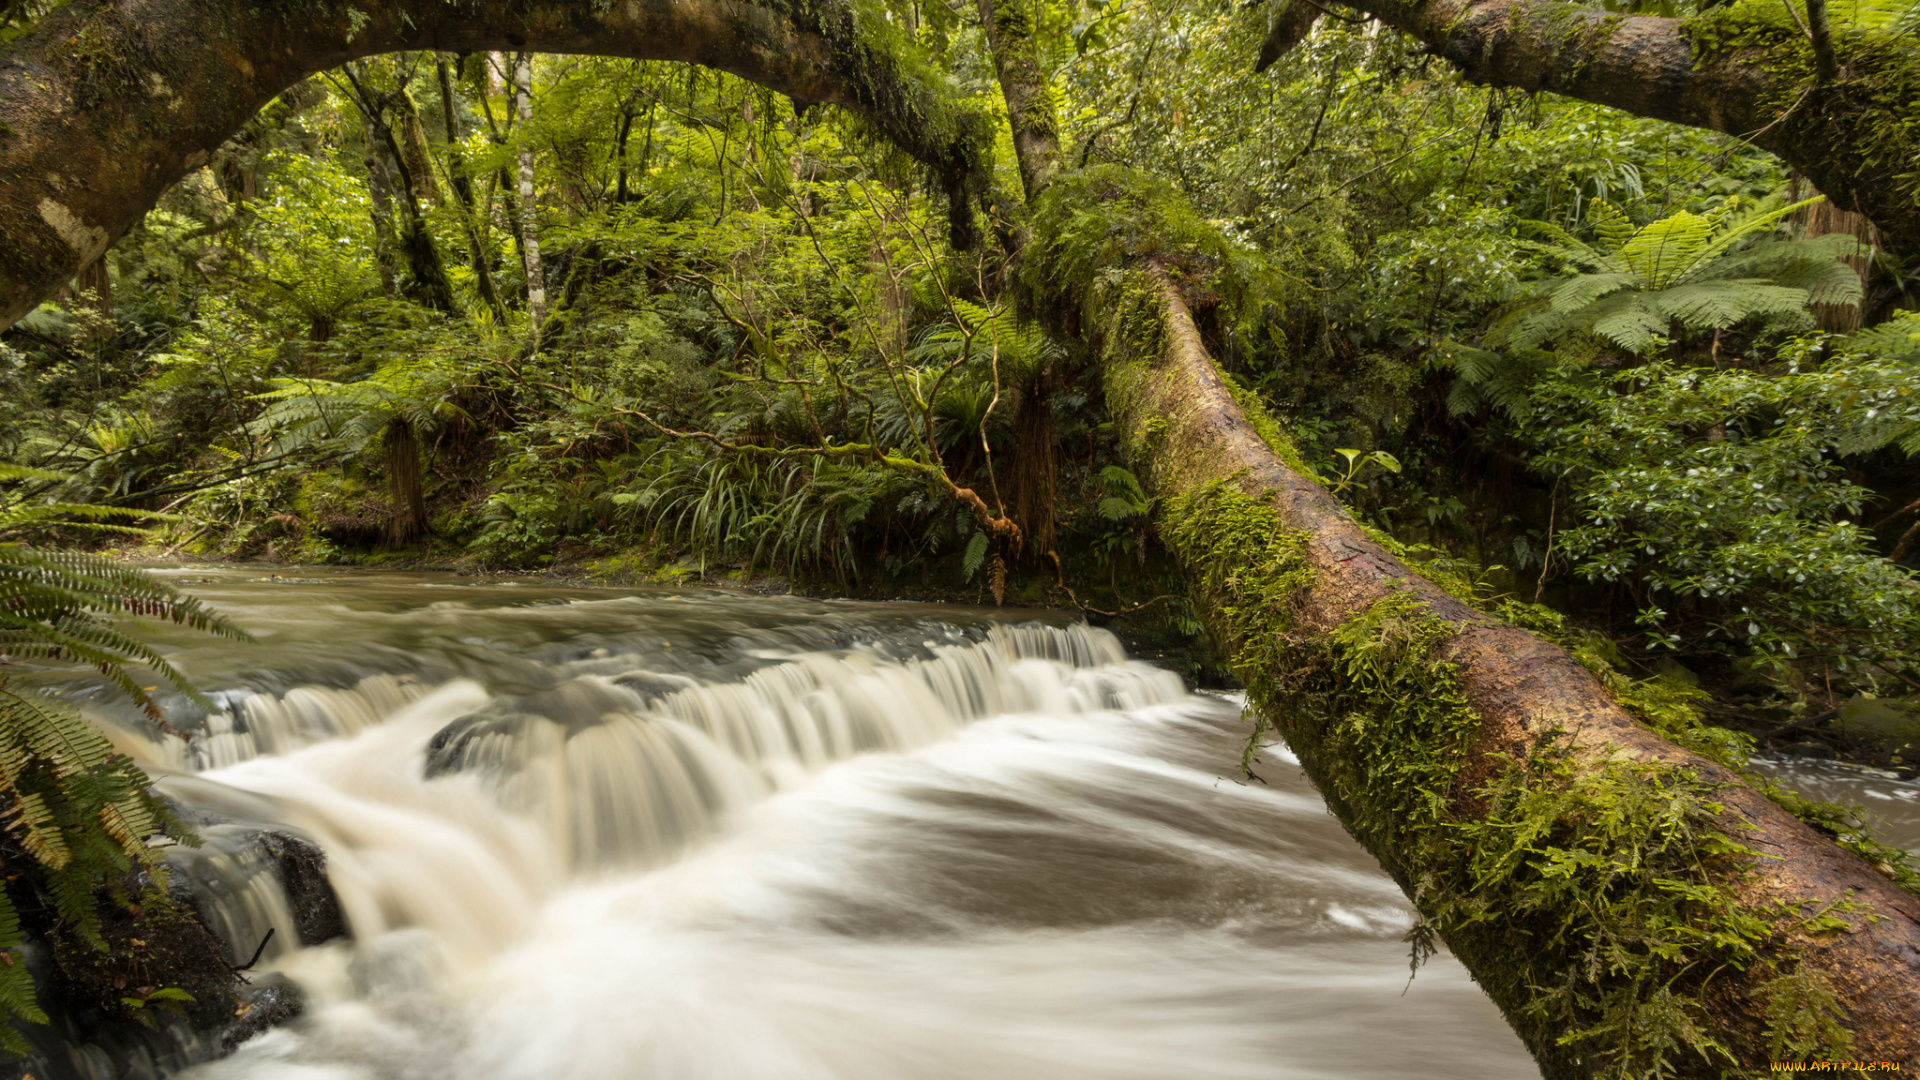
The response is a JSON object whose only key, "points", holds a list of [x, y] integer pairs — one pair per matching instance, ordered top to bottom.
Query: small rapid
{"points": [[600, 834]]}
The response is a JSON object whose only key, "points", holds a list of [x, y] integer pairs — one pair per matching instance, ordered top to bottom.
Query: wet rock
{"points": [[1883, 732], [302, 869], [260, 1008]]}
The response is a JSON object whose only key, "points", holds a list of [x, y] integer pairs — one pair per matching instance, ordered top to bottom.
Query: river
{"points": [[588, 834]]}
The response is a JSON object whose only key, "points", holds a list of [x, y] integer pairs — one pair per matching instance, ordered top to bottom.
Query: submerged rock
{"points": [[302, 870], [260, 1008]]}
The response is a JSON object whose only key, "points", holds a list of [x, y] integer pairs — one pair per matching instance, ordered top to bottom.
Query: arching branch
{"points": [[107, 103], [1837, 107]]}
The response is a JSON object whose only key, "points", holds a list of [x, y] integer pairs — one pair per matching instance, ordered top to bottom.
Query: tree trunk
{"points": [[1023, 82], [1840, 112], [90, 137], [391, 173], [470, 217], [1821, 219], [529, 226], [386, 243], [95, 287], [1035, 469], [409, 521], [1528, 715], [1613, 892]]}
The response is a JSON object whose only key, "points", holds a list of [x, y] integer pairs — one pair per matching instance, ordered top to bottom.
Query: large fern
{"points": [[1686, 273], [77, 817]]}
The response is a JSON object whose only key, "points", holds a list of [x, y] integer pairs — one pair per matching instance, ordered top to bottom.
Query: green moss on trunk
{"points": [[1597, 905]]}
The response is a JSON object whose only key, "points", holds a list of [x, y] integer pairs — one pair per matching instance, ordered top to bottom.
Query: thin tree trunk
{"points": [[1023, 82], [620, 157], [380, 208], [470, 218], [529, 227], [427, 282], [97, 287], [1035, 469]]}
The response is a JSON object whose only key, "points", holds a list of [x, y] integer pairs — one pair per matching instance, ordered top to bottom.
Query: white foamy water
{"points": [[713, 837]]}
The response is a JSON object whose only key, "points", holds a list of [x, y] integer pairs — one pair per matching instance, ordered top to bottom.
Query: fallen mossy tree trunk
{"points": [[1634, 907]]}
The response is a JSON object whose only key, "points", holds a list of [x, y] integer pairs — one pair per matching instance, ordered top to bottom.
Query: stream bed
{"points": [[597, 834]]}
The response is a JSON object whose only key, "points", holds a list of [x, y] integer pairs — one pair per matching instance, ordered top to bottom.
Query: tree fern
{"points": [[1688, 272], [1637, 287]]}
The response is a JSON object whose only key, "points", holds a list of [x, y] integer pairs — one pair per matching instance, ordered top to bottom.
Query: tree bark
{"points": [[1024, 84], [106, 103], [1839, 111], [471, 220], [529, 225], [1185, 433], [409, 521], [1532, 712]]}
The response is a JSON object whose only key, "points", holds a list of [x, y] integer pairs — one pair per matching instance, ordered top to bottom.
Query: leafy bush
{"points": [[1714, 499]]}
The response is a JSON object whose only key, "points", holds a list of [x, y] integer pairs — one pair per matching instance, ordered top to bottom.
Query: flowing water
{"points": [[595, 834]]}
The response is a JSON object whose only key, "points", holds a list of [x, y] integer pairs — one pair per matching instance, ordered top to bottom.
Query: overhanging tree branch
{"points": [[106, 103], [1840, 109]]}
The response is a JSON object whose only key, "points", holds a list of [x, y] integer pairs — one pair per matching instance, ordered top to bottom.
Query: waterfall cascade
{"points": [[591, 836]]}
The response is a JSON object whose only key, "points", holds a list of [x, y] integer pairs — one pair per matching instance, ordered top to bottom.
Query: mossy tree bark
{"points": [[1023, 82], [106, 103], [1845, 112], [529, 220], [1529, 714], [1631, 905]]}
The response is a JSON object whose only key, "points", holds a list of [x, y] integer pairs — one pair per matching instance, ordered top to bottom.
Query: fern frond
{"points": [[1761, 219], [1609, 223], [1567, 247], [1662, 252], [1577, 292], [1717, 305], [1629, 320], [1528, 326], [11, 471], [974, 557], [34, 825], [16, 985]]}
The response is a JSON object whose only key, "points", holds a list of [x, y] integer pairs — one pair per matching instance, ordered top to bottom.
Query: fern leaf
{"points": [[1761, 219], [1567, 247], [1662, 252], [1578, 292], [1720, 304], [1632, 323], [1122, 482], [974, 557], [33, 824]]}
